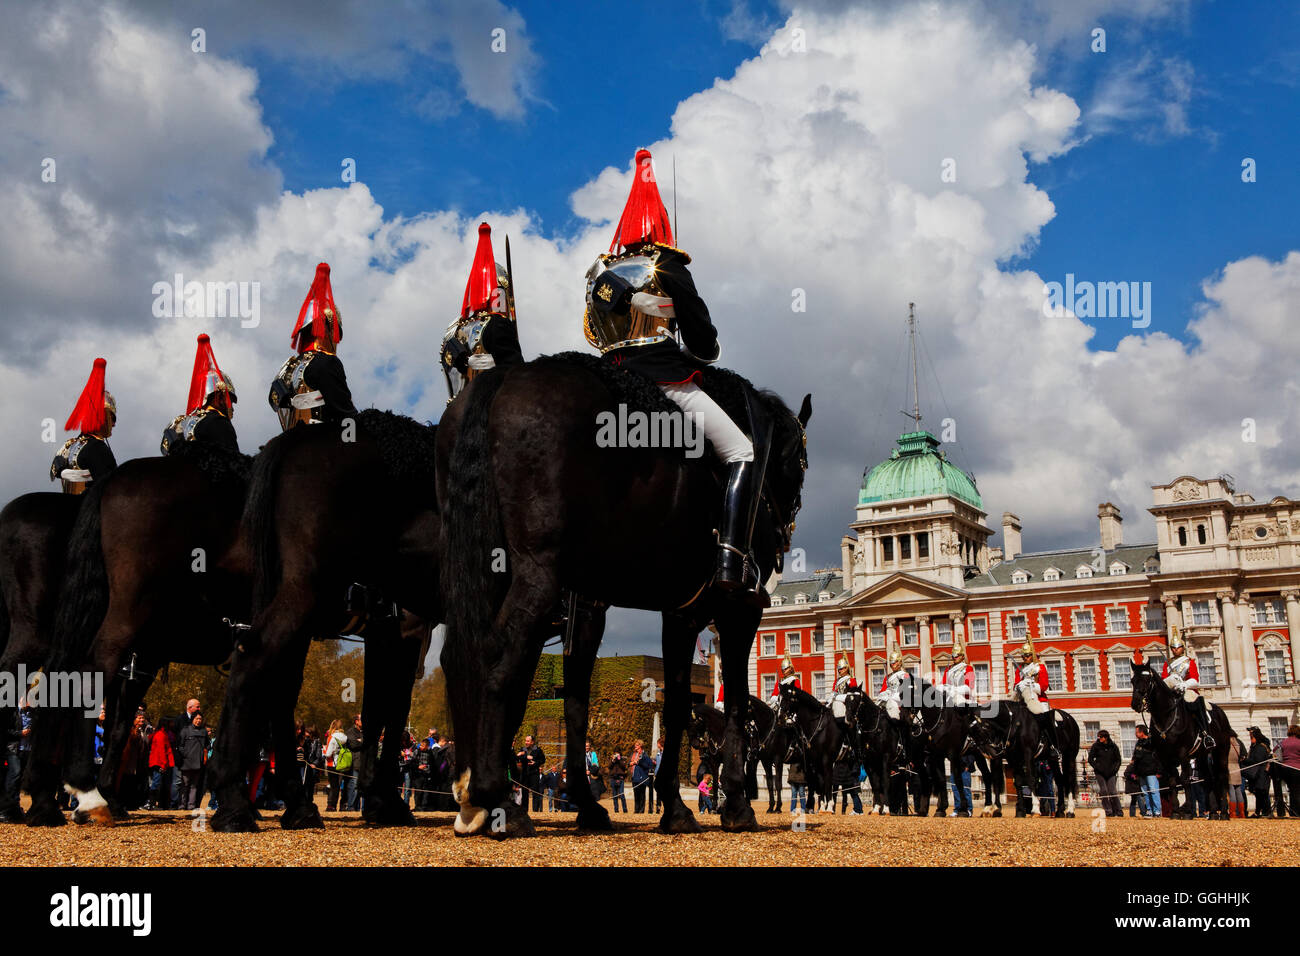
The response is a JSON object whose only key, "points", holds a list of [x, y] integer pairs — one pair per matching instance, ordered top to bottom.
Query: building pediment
{"points": [[903, 588]]}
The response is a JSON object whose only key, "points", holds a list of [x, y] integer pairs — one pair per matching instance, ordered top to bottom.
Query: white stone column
{"points": [[1173, 615], [1293, 626], [891, 634], [923, 638], [1247, 639], [1232, 650], [860, 652]]}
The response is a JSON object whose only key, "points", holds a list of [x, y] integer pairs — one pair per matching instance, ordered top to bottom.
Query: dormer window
{"points": [[1118, 567], [1083, 571], [1052, 574], [1020, 577], [823, 595], [801, 598], [777, 600]]}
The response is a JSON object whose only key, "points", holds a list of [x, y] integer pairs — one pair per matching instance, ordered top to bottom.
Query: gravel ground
{"points": [[167, 838]]}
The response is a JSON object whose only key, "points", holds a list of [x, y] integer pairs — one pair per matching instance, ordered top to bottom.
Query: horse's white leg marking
{"points": [[87, 800], [470, 819]]}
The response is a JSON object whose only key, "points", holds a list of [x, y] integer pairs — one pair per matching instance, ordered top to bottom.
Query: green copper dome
{"points": [[917, 469]]}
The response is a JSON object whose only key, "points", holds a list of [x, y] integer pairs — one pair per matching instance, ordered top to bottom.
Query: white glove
{"points": [[481, 362], [1191, 684]]}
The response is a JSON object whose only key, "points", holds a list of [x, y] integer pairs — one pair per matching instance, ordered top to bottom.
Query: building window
{"points": [[1200, 534], [1182, 537], [923, 544], [904, 547], [887, 548], [1118, 567], [1083, 571], [1052, 574], [1020, 577], [823, 596], [801, 598], [777, 600], [1269, 611], [1201, 613], [1155, 617], [1117, 620], [1083, 623], [1049, 625], [1019, 627], [979, 630], [943, 631], [877, 634], [909, 634], [846, 638], [818, 641], [793, 643], [769, 645], [1157, 661], [1274, 667], [1206, 668], [913, 671], [1121, 674], [1055, 675], [1088, 675], [877, 678], [982, 679], [769, 685], [819, 685], [1091, 728], [1276, 729], [1127, 738]]}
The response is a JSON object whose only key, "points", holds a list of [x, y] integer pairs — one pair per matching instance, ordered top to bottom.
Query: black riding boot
{"points": [[736, 571], [1201, 711], [1047, 723]]}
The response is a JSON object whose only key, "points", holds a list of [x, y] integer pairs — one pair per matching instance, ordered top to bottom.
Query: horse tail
{"points": [[259, 519], [472, 525], [83, 595]]}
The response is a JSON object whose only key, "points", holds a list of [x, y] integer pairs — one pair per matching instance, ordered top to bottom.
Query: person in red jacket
{"points": [[1181, 675], [959, 677], [1031, 687], [162, 765]]}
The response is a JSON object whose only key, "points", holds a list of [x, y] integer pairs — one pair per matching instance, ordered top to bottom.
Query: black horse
{"points": [[542, 510], [343, 526], [34, 532], [153, 567], [1006, 729], [941, 731], [817, 737], [1177, 741], [765, 744], [882, 750]]}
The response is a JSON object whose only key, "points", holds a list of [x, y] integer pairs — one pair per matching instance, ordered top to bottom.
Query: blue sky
{"points": [[1134, 200]]}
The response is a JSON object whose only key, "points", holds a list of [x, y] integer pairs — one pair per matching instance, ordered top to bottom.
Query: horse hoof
{"points": [[390, 812], [997, 812], [46, 814], [1070, 814], [98, 816], [303, 817], [596, 818], [233, 821], [510, 821], [740, 821], [681, 822]]}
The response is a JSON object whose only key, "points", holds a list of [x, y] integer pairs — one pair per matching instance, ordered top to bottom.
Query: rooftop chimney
{"points": [[1112, 526], [1011, 548], [995, 557]]}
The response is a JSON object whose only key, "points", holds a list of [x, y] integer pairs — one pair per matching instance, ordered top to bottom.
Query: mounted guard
{"points": [[640, 297], [485, 335], [311, 386], [210, 408], [87, 457], [1181, 675], [788, 677], [959, 677], [845, 684], [1031, 687], [890, 695]]}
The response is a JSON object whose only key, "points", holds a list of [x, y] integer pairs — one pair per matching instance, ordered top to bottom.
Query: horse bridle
{"points": [[1179, 717]]}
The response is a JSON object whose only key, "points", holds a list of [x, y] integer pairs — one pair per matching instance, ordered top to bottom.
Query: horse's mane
{"points": [[406, 447], [218, 464]]}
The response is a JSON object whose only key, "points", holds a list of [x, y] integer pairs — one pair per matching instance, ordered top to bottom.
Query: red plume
{"points": [[644, 217], [481, 288], [319, 298], [204, 362], [88, 415], [1137, 656]]}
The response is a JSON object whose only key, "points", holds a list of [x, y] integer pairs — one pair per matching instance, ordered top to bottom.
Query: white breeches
{"points": [[728, 440], [1190, 689], [1028, 691], [957, 693], [891, 705], [838, 710]]}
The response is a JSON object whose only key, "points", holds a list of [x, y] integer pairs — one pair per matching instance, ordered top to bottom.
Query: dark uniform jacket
{"points": [[500, 340], [664, 362], [325, 374], [218, 430], [95, 456], [1104, 758]]}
